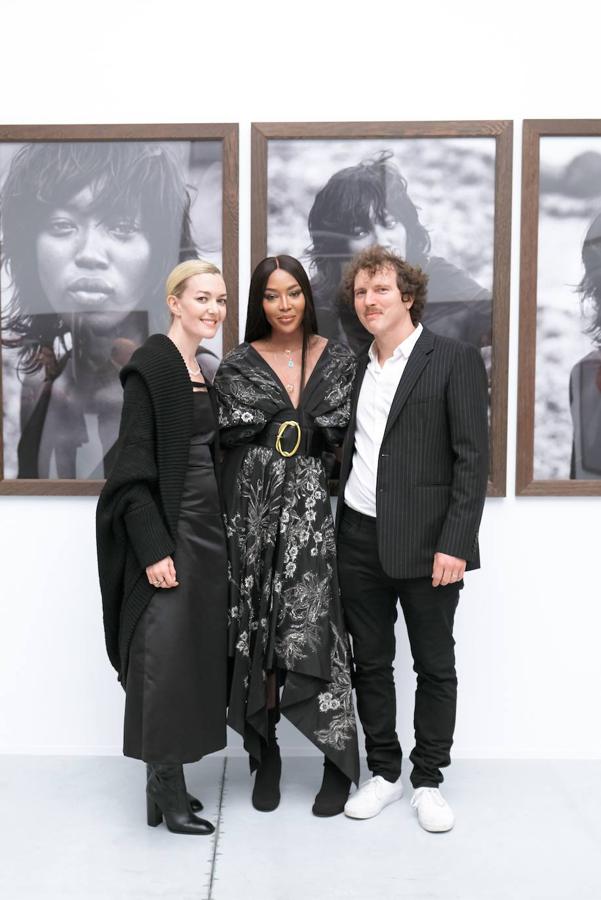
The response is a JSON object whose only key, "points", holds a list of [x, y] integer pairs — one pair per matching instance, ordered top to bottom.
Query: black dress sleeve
{"points": [[333, 393], [247, 396]]}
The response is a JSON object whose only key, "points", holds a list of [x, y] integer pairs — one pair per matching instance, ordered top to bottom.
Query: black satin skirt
{"points": [[177, 677]]}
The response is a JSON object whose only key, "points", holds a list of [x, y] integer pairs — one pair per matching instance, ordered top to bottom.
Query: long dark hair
{"points": [[125, 176], [353, 198], [590, 286], [257, 326]]}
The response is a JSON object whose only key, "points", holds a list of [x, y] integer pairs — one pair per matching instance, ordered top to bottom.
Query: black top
{"points": [[203, 416]]}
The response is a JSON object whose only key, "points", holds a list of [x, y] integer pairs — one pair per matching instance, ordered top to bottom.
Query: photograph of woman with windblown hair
{"points": [[430, 200], [89, 231], [585, 377], [567, 410]]}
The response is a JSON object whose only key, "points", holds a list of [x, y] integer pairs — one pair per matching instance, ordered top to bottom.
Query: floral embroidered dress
{"points": [[285, 610]]}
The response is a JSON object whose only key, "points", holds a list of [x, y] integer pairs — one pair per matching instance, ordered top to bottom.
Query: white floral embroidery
{"points": [[242, 644]]}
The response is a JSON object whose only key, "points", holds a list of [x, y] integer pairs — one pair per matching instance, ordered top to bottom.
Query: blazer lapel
{"points": [[418, 360]]}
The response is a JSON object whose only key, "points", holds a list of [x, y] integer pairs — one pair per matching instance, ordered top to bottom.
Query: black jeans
{"points": [[369, 599]]}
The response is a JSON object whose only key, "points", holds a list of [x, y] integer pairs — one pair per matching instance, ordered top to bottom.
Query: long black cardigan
{"points": [[138, 508]]}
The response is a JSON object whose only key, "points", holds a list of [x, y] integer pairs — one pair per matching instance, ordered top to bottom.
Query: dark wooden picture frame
{"points": [[502, 133], [227, 136], [527, 482]]}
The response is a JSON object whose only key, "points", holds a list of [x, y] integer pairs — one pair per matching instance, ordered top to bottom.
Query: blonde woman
{"points": [[161, 552]]}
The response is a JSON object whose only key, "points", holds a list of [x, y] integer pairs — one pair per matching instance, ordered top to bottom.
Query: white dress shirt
{"points": [[375, 399]]}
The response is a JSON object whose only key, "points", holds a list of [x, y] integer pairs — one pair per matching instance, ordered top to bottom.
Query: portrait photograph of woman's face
{"points": [[89, 232], [93, 261], [567, 418]]}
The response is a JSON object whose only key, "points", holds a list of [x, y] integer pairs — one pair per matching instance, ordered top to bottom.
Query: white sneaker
{"points": [[372, 797], [433, 811]]}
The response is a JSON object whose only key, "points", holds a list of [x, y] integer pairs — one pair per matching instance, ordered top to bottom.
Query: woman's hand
{"points": [[162, 574]]}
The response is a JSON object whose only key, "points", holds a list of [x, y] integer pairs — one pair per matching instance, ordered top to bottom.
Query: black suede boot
{"points": [[266, 791], [333, 792], [166, 796], [193, 802]]}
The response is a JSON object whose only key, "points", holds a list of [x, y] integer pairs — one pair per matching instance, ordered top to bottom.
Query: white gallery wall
{"points": [[529, 622]]}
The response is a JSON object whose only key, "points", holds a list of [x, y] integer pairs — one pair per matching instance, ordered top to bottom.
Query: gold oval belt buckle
{"points": [[281, 432]]}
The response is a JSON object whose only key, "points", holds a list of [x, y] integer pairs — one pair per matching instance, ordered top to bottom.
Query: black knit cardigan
{"points": [[138, 509]]}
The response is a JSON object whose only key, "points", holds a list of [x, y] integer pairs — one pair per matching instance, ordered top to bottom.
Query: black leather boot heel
{"points": [[266, 790], [166, 792], [333, 792], [154, 816]]}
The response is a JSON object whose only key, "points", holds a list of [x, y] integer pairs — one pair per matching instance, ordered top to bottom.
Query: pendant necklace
{"points": [[290, 364]]}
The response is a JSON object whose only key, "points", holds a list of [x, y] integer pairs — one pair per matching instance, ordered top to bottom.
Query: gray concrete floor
{"points": [[74, 827]]}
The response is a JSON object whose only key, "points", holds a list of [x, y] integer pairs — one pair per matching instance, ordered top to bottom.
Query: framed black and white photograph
{"points": [[438, 193], [92, 220], [559, 425]]}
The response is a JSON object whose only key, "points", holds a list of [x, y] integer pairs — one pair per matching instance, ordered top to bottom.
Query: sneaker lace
{"points": [[371, 785], [434, 793]]}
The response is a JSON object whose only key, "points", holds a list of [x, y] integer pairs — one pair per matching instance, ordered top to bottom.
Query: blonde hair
{"points": [[176, 280]]}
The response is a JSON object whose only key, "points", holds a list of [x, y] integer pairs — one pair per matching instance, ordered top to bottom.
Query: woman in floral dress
{"points": [[284, 399]]}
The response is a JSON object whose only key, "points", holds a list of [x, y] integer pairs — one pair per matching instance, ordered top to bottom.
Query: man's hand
{"points": [[447, 569], [162, 574]]}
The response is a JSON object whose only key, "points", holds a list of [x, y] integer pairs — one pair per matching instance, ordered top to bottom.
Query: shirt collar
{"points": [[404, 348]]}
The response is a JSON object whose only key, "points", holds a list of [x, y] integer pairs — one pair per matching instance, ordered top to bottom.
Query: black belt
{"points": [[289, 438]]}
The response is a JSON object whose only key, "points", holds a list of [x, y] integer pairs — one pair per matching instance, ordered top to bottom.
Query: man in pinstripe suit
{"points": [[412, 487]]}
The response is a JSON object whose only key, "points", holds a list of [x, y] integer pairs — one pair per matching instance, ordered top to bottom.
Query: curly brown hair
{"points": [[411, 280]]}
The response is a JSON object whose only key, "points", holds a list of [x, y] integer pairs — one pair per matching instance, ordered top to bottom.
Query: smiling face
{"points": [[87, 263], [284, 303], [380, 306], [201, 307]]}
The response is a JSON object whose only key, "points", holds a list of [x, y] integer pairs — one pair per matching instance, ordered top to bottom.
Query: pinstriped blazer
{"points": [[433, 464]]}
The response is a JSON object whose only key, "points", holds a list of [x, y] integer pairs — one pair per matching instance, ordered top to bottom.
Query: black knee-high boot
{"points": [[266, 791], [333, 792], [166, 796]]}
